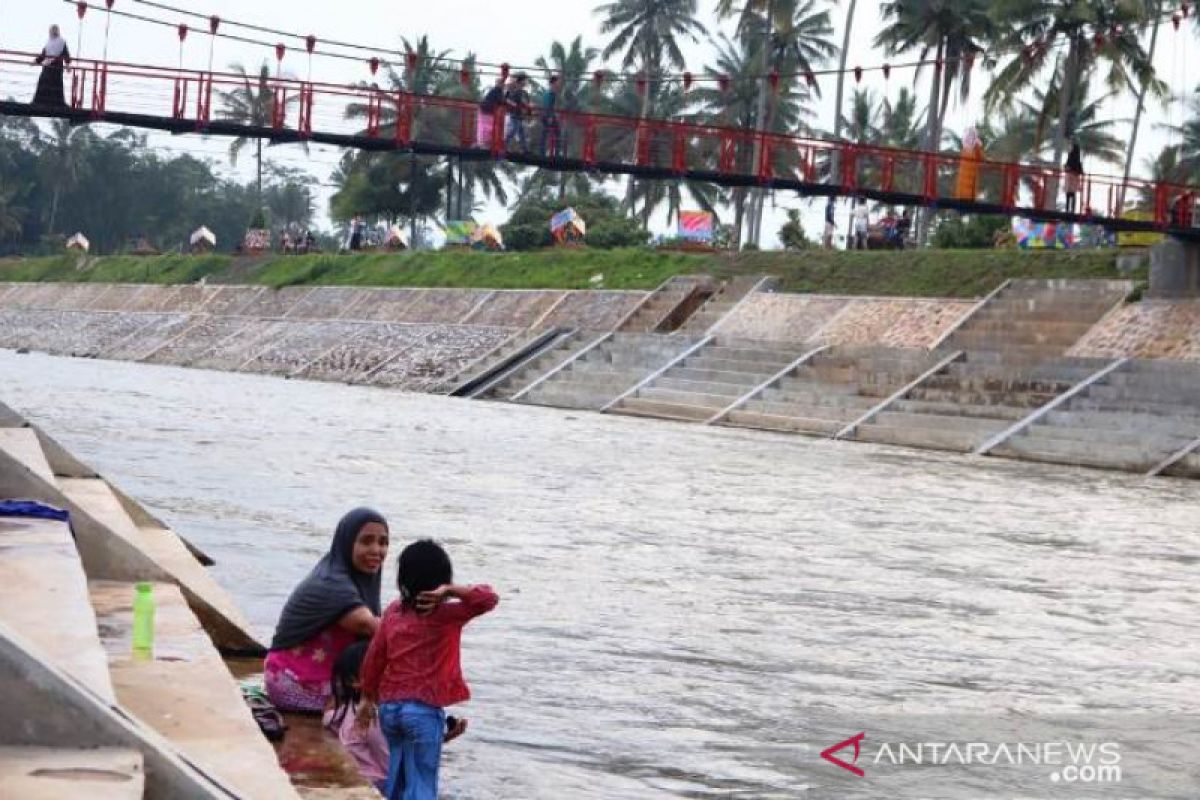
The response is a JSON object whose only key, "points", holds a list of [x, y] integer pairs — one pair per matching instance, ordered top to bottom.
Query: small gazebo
{"points": [[567, 227], [203, 240]]}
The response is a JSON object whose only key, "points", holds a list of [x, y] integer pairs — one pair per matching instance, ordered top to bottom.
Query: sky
{"points": [[517, 32]]}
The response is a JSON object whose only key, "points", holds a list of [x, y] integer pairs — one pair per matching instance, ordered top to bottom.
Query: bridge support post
{"points": [[1175, 269]]}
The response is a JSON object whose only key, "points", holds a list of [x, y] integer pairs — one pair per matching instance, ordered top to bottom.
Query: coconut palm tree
{"points": [[953, 32], [646, 35], [1096, 35], [251, 104], [64, 159], [11, 215]]}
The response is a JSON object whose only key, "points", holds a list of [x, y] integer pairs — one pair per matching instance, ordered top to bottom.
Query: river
{"points": [[678, 602]]}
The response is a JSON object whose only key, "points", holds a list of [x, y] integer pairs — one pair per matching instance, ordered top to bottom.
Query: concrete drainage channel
{"points": [[1028, 372]]}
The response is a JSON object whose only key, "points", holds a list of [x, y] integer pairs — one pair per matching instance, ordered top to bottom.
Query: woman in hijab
{"points": [[53, 58], [335, 606]]}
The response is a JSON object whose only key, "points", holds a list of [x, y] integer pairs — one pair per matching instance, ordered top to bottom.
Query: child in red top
{"points": [[412, 668]]}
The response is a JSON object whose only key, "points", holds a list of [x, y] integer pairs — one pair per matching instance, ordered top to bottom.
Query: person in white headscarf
{"points": [[53, 58]]}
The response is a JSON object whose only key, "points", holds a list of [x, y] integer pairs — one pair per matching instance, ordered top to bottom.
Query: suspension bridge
{"points": [[366, 117]]}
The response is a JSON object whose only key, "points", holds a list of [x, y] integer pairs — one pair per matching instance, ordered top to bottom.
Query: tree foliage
{"points": [[57, 180], [607, 227]]}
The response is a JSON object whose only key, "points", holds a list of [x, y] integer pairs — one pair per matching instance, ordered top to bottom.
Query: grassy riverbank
{"points": [[926, 273]]}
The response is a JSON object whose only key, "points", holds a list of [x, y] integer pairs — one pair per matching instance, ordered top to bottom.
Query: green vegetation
{"points": [[920, 273]]}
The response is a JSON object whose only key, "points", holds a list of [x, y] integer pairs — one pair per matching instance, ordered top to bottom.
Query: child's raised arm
{"points": [[473, 601]]}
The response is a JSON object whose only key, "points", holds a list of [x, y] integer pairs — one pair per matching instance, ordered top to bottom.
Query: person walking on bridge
{"points": [[53, 58]]}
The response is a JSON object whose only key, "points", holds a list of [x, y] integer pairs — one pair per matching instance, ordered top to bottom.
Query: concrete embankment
{"points": [[1064, 371], [83, 716]]}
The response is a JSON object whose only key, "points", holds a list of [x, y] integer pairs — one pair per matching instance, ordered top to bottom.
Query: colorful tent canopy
{"points": [[568, 219], [696, 226], [459, 232], [1032, 235], [488, 236], [79, 242]]}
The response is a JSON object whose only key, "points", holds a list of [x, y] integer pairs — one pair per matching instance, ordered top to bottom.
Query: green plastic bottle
{"points": [[143, 619]]}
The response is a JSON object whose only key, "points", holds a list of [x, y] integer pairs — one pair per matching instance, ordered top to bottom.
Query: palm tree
{"points": [[1154, 9], [954, 32], [1097, 33], [646, 35], [738, 63], [423, 74], [841, 79], [252, 105], [64, 162], [11, 214]]}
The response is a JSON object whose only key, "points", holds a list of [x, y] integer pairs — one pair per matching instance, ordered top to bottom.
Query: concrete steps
{"points": [[725, 300], [664, 305], [1031, 321], [535, 368], [608, 370], [709, 381], [748, 418], [1134, 419], [929, 438], [163, 556], [39, 560], [185, 692], [83, 716], [63, 773]]}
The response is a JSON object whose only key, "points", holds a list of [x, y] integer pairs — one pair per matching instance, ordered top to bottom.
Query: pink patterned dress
{"points": [[297, 679]]}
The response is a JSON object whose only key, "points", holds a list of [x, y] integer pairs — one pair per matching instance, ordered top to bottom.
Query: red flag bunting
{"points": [[81, 9], [214, 22], [183, 32], [311, 43], [279, 51], [373, 65], [887, 71], [858, 73], [464, 77], [773, 79], [687, 81]]}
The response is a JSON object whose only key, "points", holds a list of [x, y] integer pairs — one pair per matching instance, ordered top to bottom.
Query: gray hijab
{"points": [[332, 589]]}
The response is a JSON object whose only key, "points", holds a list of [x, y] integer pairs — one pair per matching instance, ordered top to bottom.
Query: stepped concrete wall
{"points": [[817, 319], [1149, 329], [406, 338]]}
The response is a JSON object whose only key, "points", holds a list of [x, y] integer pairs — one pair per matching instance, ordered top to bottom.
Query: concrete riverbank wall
{"points": [[1061, 371], [84, 714]]}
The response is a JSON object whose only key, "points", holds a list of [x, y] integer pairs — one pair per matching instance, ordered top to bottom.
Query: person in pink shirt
{"points": [[413, 668]]}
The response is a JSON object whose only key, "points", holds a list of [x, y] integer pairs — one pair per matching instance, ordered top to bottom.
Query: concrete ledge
{"points": [[186, 692], [44, 706], [45, 773]]}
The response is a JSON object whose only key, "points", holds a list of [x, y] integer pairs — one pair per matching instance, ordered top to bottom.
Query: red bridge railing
{"points": [[732, 156]]}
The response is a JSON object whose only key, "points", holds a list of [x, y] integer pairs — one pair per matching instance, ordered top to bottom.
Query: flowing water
{"points": [[679, 603]]}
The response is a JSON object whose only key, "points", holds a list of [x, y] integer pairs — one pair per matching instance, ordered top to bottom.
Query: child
{"points": [[412, 667], [360, 734], [364, 742]]}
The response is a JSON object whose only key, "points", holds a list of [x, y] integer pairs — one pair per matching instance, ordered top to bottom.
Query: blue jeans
{"points": [[516, 130], [414, 734]]}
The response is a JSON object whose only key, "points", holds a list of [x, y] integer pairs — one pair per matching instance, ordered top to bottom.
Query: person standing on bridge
{"points": [[54, 57], [518, 102], [551, 128], [1074, 175], [967, 185]]}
